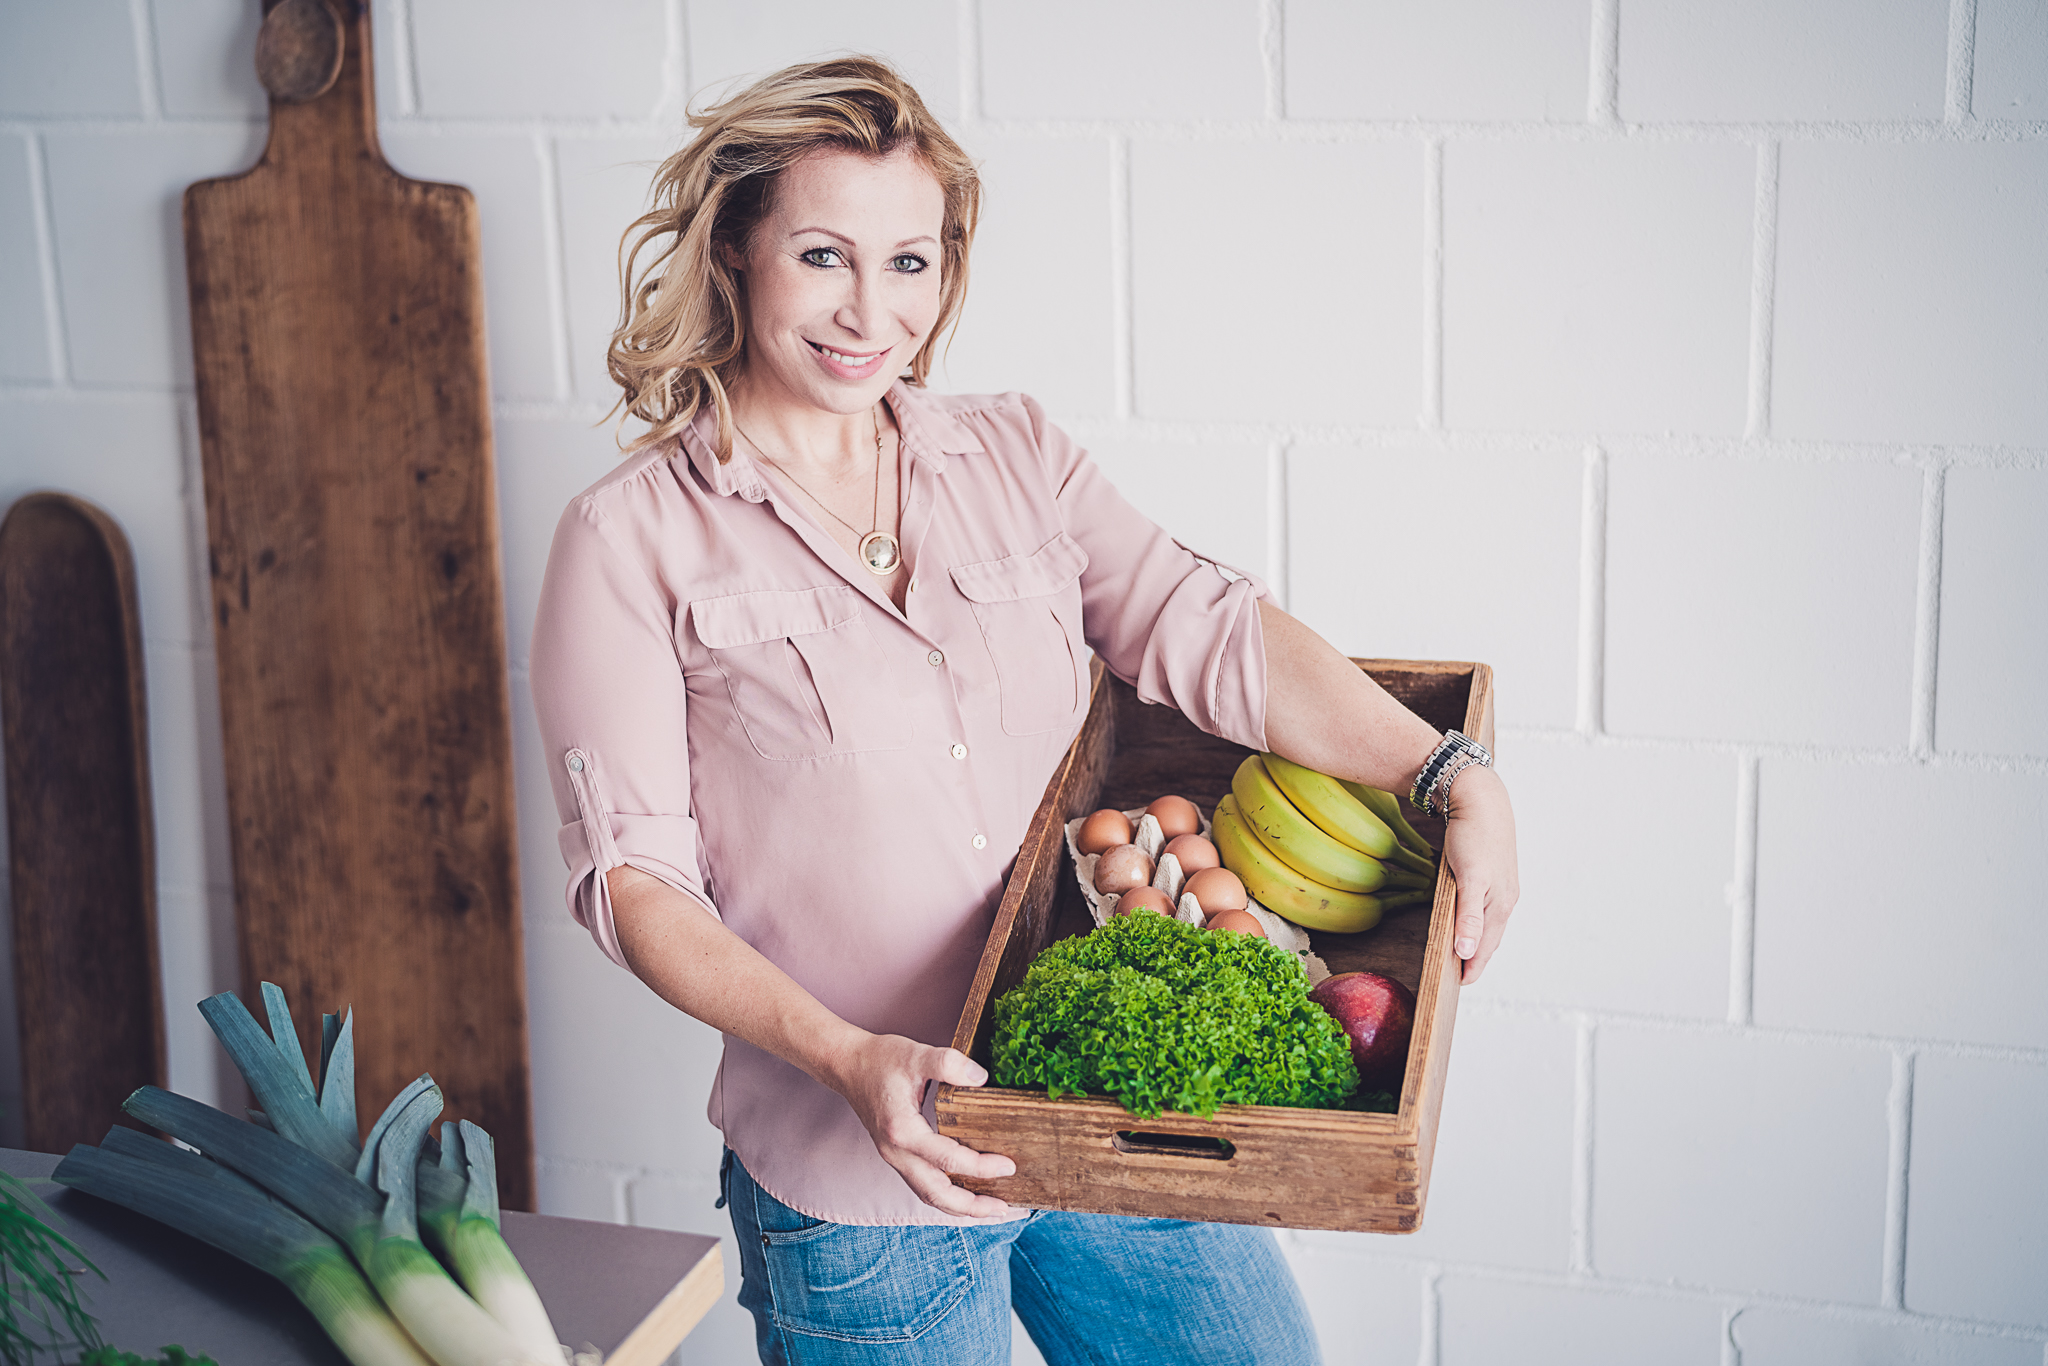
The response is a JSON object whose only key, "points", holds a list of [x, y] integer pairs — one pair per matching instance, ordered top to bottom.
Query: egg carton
{"points": [[1168, 878]]}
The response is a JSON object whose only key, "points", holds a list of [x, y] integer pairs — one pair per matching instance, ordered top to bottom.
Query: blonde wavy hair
{"points": [[682, 334]]}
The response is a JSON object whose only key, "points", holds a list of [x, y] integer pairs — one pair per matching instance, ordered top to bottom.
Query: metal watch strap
{"points": [[1453, 754]]}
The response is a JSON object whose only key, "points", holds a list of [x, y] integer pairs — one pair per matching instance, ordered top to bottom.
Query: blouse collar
{"points": [[930, 434]]}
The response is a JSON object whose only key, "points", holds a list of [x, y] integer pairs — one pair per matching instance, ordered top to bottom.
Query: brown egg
{"points": [[1176, 816], [1103, 830], [1194, 853], [1121, 868], [1217, 890], [1143, 899], [1238, 922]]}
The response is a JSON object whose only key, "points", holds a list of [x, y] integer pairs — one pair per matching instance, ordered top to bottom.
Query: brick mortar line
{"points": [[969, 21], [1273, 57], [675, 65], [1603, 65], [148, 68], [405, 74], [1959, 85], [1871, 132], [554, 235], [1122, 281], [1432, 286], [1763, 292], [55, 336], [1197, 431], [1456, 441], [1279, 527], [1927, 612], [1592, 625], [2027, 765], [1742, 895], [1584, 1045], [2014, 1054], [1898, 1178], [1689, 1292], [1429, 1344]]}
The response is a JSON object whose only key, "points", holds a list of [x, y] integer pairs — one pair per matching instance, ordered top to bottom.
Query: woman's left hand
{"points": [[1479, 846]]}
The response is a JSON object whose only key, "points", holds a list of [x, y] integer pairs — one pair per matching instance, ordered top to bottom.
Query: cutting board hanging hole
{"points": [[298, 50]]}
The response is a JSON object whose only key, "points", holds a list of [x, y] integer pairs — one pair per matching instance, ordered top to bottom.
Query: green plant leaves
{"points": [[1164, 1016]]}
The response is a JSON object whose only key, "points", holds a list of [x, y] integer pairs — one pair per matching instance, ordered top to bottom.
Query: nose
{"points": [[860, 312]]}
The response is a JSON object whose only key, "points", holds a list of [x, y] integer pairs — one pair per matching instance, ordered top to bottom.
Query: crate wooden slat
{"points": [[1275, 1165]]}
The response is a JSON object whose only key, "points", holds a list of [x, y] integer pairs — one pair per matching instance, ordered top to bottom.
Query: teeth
{"points": [[854, 362]]}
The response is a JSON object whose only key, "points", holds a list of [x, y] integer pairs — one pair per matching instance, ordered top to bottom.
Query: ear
{"points": [[729, 257]]}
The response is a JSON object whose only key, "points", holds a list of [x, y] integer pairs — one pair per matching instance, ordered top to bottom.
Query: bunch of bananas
{"points": [[1326, 854]]}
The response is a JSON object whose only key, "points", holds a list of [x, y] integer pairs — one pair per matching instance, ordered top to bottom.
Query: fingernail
{"points": [[1467, 947]]}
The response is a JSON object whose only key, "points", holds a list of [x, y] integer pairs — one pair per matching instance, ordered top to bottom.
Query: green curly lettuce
{"points": [[1165, 1016]]}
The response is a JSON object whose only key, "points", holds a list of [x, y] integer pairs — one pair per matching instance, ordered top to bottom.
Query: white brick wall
{"points": [[1687, 362]]}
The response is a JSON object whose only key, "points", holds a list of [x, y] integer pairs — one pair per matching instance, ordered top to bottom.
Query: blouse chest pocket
{"points": [[1029, 607], [806, 675]]}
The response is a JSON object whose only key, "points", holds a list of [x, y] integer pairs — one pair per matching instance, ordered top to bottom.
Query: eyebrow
{"points": [[908, 241]]}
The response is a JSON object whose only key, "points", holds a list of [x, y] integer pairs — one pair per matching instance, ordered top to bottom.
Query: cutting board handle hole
{"points": [[1173, 1145]]}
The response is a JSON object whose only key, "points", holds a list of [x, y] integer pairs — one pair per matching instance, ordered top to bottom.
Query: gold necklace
{"points": [[879, 551]]}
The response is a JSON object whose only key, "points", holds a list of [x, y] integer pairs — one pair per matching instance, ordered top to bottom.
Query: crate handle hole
{"points": [[1173, 1145]]}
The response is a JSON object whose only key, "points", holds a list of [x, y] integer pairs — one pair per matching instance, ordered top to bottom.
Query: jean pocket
{"points": [[856, 1283]]}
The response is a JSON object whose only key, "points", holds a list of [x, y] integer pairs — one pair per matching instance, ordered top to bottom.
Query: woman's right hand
{"points": [[697, 965], [883, 1077]]}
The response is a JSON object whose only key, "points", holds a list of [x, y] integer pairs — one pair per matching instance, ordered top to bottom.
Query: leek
{"points": [[284, 1036], [338, 1073], [285, 1093], [322, 1120], [366, 1163], [330, 1197], [210, 1203], [462, 1223], [419, 1293], [451, 1326]]}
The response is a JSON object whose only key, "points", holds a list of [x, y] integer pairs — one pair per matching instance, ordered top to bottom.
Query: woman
{"points": [[803, 665]]}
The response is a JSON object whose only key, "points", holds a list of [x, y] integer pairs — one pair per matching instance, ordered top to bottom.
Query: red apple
{"points": [[1378, 1014]]}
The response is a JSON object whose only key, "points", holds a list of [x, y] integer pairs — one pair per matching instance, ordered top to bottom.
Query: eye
{"points": [[822, 257], [908, 264]]}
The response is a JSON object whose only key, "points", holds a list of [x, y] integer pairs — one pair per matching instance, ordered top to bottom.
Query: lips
{"points": [[849, 365]]}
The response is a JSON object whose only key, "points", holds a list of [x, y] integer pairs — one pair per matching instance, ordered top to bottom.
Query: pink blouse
{"points": [[731, 704]]}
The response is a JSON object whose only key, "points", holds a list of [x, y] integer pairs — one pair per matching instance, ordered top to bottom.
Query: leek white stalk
{"points": [[212, 1204], [461, 1221], [451, 1326]]}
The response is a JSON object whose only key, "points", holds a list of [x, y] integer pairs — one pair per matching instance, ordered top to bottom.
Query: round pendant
{"points": [[880, 553]]}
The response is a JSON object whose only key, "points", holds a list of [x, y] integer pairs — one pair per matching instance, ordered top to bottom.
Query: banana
{"points": [[1385, 805], [1336, 812], [1300, 844], [1280, 889]]}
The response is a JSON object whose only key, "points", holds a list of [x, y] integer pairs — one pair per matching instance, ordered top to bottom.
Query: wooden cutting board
{"points": [[338, 338], [81, 841]]}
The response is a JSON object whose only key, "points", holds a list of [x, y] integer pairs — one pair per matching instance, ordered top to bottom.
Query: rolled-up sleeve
{"points": [[1179, 627], [609, 694]]}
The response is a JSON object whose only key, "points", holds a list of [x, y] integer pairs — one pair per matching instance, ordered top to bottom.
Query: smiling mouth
{"points": [[850, 362]]}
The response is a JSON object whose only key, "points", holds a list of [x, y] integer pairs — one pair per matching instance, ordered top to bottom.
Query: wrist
{"points": [[1472, 787], [833, 1056]]}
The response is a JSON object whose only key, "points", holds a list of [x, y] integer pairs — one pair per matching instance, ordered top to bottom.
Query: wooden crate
{"points": [[1250, 1164]]}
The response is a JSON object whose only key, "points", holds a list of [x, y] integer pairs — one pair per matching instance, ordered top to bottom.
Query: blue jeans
{"points": [[1092, 1290]]}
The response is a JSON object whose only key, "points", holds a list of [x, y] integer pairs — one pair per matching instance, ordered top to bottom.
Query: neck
{"points": [[802, 437]]}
